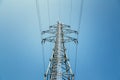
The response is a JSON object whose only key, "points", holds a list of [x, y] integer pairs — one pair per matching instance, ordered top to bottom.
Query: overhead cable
{"points": [[48, 11], [79, 24], [40, 29]]}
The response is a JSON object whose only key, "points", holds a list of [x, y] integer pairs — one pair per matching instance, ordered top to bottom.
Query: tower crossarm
{"points": [[51, 31], [69, 31], [49, 39], [70, 39]]}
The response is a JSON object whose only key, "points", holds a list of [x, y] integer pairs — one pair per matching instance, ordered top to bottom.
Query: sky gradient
{"points": [[99, 38]]}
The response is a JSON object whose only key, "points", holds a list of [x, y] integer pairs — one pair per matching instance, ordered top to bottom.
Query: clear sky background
{"points": [[99, 38]]}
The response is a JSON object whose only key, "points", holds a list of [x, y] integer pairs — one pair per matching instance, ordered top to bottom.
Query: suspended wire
{"points": [[59, 8], [48, 11], [70, 11], [70, 16], [80, 17], [39, 18], [39, 21], [76, 54], [43, 56]]}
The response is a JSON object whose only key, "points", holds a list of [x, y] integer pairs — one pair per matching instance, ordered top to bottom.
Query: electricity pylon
{"points": [[59, 66]]}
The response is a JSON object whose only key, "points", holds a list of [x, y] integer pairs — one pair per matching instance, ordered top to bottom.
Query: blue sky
{"points": [[99, 38]]}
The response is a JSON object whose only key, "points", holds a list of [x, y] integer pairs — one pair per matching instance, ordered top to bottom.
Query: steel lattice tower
{"points": [[59, 66]]}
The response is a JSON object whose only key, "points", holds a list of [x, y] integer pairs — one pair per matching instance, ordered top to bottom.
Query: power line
{"points": [[70, 10], [48, 11], [59, 12], [70, 16], [80, 17], [39, 18], [39, 21], [76, 54]]}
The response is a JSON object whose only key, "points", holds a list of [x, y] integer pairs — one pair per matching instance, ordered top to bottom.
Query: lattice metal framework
{"points": [[59, 66]]}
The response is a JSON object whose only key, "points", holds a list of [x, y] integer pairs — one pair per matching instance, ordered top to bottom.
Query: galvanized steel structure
{"points": [[59, 66]]}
